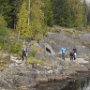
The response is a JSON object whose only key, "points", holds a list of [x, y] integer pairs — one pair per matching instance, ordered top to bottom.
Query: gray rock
{"points": [[59, 40]]}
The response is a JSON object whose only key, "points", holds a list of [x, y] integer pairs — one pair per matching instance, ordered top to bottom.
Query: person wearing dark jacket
{"points": [[24, 52], [75, 52], [71, 55]]}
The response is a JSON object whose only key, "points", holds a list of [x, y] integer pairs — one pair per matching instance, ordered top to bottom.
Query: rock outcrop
{"points": [[58, 40], [19, 75], [23, 75]]}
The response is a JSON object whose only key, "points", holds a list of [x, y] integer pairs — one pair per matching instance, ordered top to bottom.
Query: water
{"points": [[81, 84]]}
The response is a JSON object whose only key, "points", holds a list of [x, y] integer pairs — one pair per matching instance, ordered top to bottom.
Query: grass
{"points": [[71, 32], [33, 60]]}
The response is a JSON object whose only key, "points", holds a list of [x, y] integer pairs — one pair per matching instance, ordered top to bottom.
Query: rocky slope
{"points": [[62, 39], [23, 76]]}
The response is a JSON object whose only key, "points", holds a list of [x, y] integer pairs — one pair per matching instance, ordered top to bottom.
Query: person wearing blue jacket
{"points": [[63, 52]]}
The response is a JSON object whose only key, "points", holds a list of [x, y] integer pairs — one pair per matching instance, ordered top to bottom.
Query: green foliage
{"points": [[9, 9], [48, 12], [43, 13], [69, 13], [37, 16], [2, 22], [22, 25], [4, 31], [3, 34], [39, 36], [5, 42], [16, 48], [34, 48], [34, 51], [33, 60]]}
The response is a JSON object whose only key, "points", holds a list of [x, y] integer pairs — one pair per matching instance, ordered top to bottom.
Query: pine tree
{"points": [[48, 12], [69, 13], [78, 13], [37, 16], [22, 25]]}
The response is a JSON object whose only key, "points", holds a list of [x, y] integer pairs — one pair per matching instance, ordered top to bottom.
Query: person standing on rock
{"points": [[24, 52], [63, 52], [75, 53], [71, 55]]}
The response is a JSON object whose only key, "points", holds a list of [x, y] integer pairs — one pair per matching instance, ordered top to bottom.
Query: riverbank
{"points": [[46, 66], [25, 76], [66, 76], [76, 82]]}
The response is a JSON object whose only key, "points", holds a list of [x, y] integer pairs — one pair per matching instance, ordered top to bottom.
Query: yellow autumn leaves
{"points": [[36, 19]]}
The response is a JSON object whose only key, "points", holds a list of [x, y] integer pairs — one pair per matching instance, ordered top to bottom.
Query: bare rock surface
{"points": [[58, 40], [17, 75], [20, 75]]}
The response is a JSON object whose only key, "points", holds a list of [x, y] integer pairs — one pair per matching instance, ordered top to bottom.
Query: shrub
{"points": [[2, 21], [4, 32], [38, 36], [16, 48], [34, 50], [33, 60]]}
